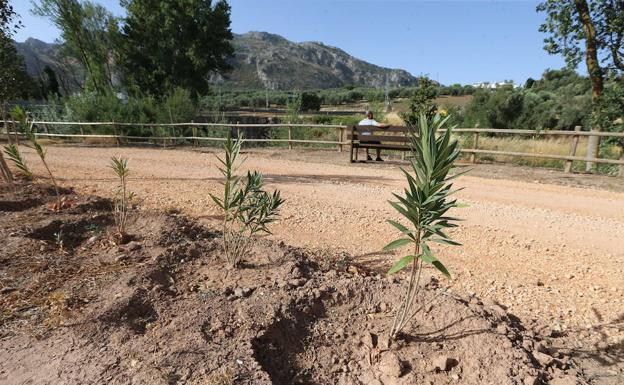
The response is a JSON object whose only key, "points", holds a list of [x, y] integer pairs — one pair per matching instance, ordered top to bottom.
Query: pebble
{"points": [[241, 292], [443, 363], [390, 365]]}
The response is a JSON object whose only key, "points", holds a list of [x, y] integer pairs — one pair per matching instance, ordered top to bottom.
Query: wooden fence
{"points": [[342, 141]]}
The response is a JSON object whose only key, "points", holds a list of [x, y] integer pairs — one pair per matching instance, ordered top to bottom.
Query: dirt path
{"points": [[548, 252]]}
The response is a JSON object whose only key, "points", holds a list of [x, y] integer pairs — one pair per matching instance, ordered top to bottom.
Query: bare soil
{"points": [[534, 241], [163, 309]]}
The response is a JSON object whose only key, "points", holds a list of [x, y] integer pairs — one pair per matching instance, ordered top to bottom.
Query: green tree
{"points": [[589, 29], [88, 33], [168, 44], [50, 82], [422, 102]]}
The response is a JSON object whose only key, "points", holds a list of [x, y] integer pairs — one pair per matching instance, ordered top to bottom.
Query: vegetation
{"points": [[592, 30], [88, 32], [166, 44], [422, 102], [28, 129], [15, 156], [123, 197], [424, 205], [247, 208]]}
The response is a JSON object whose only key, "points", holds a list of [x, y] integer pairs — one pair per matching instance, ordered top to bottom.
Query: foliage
{"points": [[567, 30], [88, 33], [166, 44], [14, 81], [50, 85], [559, 100], [310, 101], [422, 102], [294, 107], [611, 112], [28, 129], [15, 156], [123, 197], [424, 205], [247, 208]]}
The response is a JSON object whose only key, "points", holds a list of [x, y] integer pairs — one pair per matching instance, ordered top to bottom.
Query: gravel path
{"points": [[548, 252]]}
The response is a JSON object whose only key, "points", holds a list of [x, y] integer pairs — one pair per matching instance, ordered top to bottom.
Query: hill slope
{"points": [[261, 60]]}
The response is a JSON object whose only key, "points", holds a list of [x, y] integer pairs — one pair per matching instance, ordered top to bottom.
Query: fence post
{"points": [[237, 129], [116, 133], [194, 133], [342, 135], [289, 136], [475, 139], [84, 140], [575, 140], [592, 149], [621, 167]]}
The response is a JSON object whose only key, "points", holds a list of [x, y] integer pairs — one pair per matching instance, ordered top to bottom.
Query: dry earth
{"points": [[551, 253]]}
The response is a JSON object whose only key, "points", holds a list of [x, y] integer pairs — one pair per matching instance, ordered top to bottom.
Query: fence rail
{"points": [[476, 132]]}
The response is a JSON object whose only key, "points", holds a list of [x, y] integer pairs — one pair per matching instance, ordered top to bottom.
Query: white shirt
{"points": [[368, 122]]}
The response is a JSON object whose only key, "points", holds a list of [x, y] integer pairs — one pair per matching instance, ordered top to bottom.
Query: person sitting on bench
{"points": [[370, 121]]}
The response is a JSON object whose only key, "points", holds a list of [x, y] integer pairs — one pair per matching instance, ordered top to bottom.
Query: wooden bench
{"points": [[389, 138]]}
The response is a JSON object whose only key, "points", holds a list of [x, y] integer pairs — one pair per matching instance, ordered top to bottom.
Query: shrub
{"points": [[15, 156], [122, 198], [424, 205], [247, 208]]}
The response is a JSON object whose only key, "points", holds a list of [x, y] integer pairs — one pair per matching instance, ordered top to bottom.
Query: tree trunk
{"points": [[594, 71]]}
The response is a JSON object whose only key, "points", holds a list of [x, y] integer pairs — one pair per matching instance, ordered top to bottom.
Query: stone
{"points": [[133, 246], [121, 258], [241, 292], [543, 358], [443, 363], [389, 365], [530, 380], [564, 380]]}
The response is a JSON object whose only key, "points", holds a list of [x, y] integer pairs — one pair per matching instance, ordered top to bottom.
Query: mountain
{"points": [[38, 54], [261, 60], [266, 60]]}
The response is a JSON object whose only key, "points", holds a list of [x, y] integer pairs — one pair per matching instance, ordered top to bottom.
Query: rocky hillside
{"points": [[261, 60], [266, 60]]}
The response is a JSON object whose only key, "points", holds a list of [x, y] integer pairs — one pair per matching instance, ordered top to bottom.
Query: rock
{"points": [[92, 239], [133, 246], [121, 258], [297, 282], [241, 292], [499, 310], [369, 340], [543, 358], [443, 363], [389, 365], [530, 380], [564, 380]]}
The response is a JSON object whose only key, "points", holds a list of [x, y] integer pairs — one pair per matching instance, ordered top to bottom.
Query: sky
{"points": [[457, 41]]}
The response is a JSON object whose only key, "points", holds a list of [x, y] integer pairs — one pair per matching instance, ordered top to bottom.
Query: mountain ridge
{"points": [[261, 60]]}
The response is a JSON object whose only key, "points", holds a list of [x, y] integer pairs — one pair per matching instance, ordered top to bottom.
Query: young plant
{"points": [[15, 156], [123, 197], [424, 205], [247, 208]]}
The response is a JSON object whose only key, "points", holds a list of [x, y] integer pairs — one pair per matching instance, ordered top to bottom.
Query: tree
{"points": [[589, 29], [88, 33], [168, 44], [9, 70], [50, 82], [422, 102]]}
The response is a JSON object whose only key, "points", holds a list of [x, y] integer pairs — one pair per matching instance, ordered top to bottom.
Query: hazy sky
{"points": [[450, 41]]}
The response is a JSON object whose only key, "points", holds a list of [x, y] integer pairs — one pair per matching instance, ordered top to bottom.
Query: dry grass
{"points": [[553, 146]]}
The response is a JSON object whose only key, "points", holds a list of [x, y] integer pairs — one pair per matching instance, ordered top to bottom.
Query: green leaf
{"points": [[400, 227], [397, 243], [401, 263]]}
